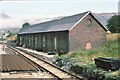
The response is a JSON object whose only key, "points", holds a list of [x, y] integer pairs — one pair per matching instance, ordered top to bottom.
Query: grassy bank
{"points": [[110, 49], [85, 58]]}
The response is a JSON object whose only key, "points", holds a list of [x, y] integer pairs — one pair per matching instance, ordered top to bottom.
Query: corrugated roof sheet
{"points": [[61, 24]]}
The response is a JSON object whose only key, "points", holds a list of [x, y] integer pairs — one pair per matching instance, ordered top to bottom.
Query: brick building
{"points": [[65, 34]]}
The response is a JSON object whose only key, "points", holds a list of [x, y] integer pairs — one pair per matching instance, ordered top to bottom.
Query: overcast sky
{"points": [[52, 8], [19, 10]]}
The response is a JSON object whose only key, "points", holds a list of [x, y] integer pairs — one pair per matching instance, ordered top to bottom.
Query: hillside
{"points": [[4, 16], [104, 17], [13, 30]]}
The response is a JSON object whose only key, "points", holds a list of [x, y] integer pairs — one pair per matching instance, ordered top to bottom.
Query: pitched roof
{"points": [[62, 24]]}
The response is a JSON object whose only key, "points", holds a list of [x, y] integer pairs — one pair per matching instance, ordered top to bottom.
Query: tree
{"points": [[114, 24], [25, 25], [10, 34]]}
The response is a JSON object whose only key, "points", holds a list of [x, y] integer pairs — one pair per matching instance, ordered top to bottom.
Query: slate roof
{"points": [[62, 24]]}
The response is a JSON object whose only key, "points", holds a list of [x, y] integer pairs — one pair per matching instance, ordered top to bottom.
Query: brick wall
{"points": [[86, 32]]}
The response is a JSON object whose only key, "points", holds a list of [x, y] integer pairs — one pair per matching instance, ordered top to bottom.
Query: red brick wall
{"points": [[83, 33]]}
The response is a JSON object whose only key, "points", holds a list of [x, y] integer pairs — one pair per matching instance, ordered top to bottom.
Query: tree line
{"points": [[114, 24]]}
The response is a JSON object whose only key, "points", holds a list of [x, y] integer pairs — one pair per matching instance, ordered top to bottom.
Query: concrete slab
{"points": [[1, 49], [36, 52]]}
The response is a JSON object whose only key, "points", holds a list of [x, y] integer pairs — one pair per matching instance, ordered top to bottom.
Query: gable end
{"points": [[89, 13], [99, 22]]}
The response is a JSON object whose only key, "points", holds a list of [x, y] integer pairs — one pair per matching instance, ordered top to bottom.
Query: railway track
{"points": [[17, 66], [49, 67]]}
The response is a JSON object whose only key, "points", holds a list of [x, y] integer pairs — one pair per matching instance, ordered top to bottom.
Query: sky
{"points": [[54, 8], [21, 9]]}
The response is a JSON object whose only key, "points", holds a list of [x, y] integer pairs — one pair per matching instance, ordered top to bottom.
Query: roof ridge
{"points": [[80, 13], [60, 18], [64, 23]]}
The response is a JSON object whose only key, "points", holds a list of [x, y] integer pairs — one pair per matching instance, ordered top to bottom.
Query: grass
{"points": [[112, 36], [110, 49], [86, 57], [113, 75]]}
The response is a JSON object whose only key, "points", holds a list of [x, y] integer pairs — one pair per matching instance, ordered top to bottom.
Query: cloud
{"points": [[10, 23]]}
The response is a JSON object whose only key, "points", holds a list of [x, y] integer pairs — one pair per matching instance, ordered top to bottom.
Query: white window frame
{"points": [[20, 40], [29, 41], [35, 41], [44, 41], [55, 42]]}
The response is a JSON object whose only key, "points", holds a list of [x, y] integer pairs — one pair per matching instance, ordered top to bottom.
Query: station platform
{"points": [[1, 50], [36, 52]]}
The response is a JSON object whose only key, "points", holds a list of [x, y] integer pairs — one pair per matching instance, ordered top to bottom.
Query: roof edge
{"points": [[89, 12], [80, 20], [100, 23], [42, 32]]}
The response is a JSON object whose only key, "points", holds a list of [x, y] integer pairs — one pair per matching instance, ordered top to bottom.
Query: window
{"points": [[89, 22], [20, 40], [32, 40], [29, 41], [36, 41], [44, 41], [55, 42]]}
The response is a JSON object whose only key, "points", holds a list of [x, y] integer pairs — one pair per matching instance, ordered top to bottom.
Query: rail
{"points": [[70, 75]]}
